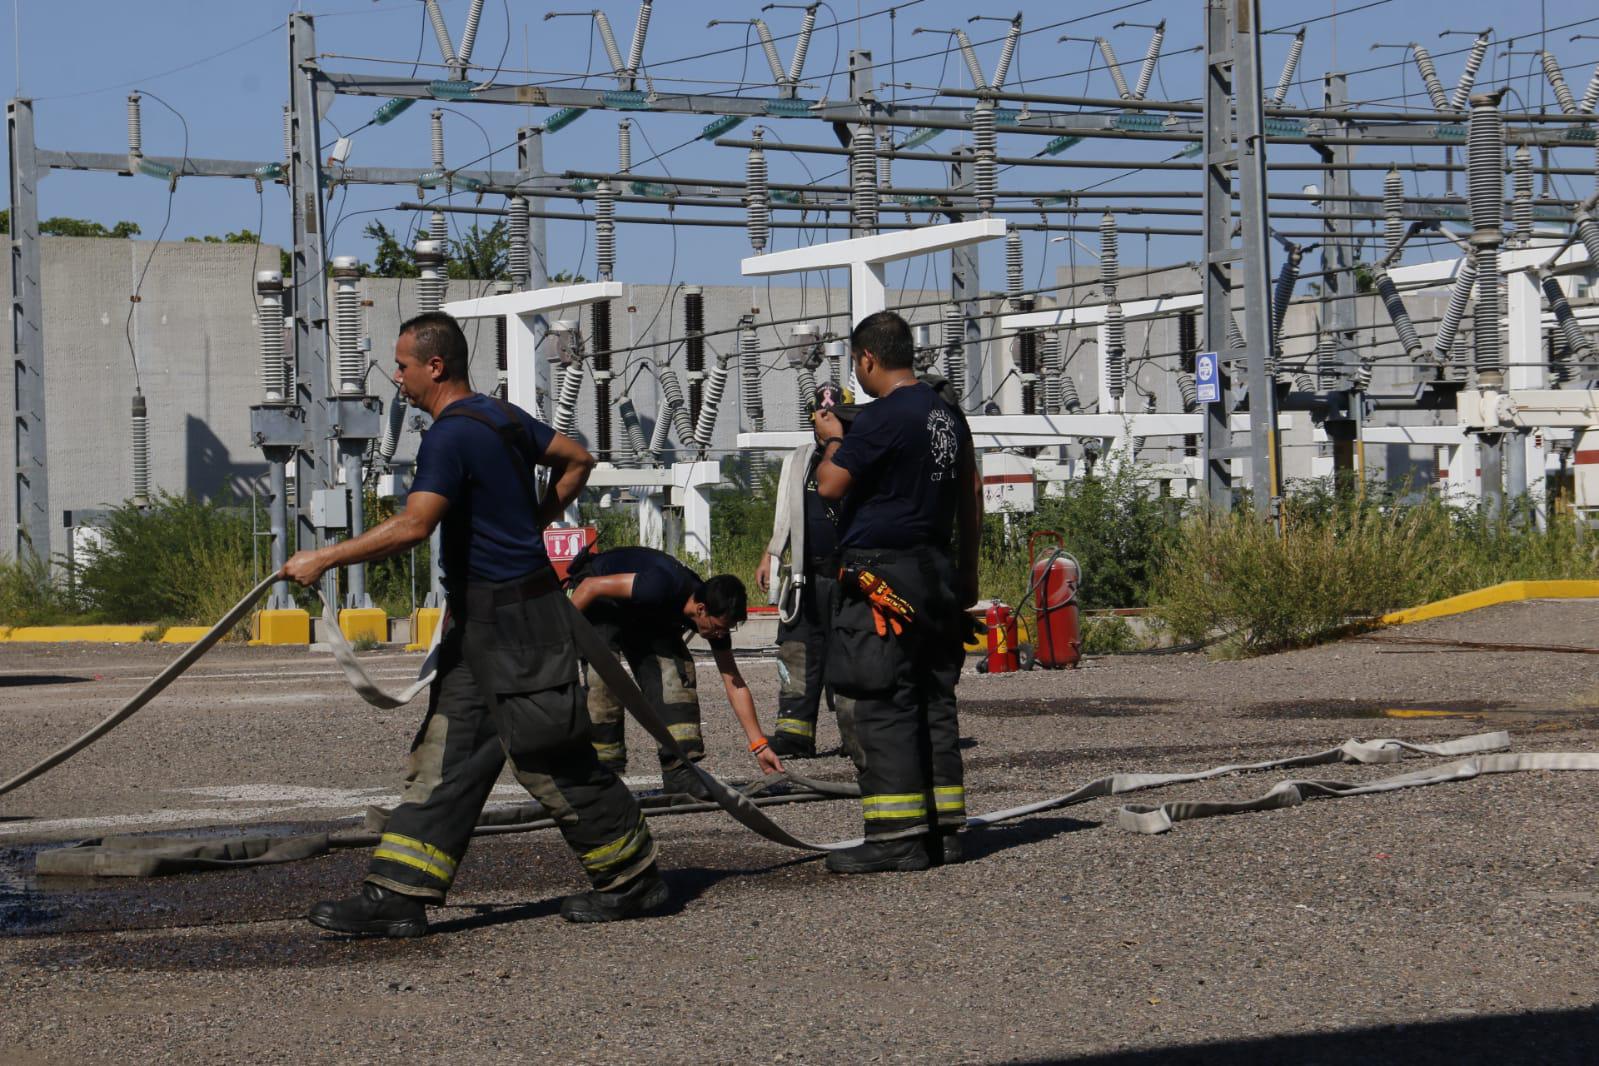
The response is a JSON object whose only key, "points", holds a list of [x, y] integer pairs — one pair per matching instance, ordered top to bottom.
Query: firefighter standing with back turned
{"points": [[907, 477], [806, 526], [507, 681]]}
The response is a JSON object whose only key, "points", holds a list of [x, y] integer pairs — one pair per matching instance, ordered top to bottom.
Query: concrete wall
{"points": [[195, 336], [195, 340]]}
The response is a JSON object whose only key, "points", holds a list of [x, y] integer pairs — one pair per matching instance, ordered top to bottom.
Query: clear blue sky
{"points": [[222, 64]]}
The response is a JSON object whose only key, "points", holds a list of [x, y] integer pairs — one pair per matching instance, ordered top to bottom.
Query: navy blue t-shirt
{"points": [[903, 457], [821, 518], [491, 530], [661, 589]]}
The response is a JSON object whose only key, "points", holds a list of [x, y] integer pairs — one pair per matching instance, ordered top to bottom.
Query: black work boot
{"points": [[792, 746], [682, 780], [944, 847], [879, 856], [645, 893], [374, 911]]}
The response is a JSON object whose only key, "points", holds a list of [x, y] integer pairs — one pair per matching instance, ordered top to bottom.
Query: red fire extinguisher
{"points": [[1057, 639], [1003, 653]]}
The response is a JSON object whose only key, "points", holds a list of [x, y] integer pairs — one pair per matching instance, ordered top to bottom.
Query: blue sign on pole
{"points": [[1207, 378]]}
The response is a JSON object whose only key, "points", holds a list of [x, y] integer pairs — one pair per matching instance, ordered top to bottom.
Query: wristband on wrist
{"points": [[832, 440], [756, 747]]}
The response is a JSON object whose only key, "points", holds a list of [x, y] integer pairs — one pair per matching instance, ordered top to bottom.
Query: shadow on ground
{"points": [[1545, 1037]]}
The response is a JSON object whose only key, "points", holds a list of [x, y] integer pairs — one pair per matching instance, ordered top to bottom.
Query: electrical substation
{"points": [[1281, 269]]}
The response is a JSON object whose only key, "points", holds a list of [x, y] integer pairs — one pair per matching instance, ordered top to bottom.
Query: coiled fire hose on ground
{"points": [[102, 858]]}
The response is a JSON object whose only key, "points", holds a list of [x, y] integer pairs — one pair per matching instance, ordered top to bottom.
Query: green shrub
{"points": [[1113, 525], [180, 560], [1343, 563], [395, 582], [29, 594], [1109, 634]]}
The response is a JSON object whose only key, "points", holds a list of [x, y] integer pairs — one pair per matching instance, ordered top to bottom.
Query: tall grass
{"points": [[1342, 564], [30, 594]]}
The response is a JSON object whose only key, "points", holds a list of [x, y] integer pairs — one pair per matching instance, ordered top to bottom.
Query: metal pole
{"points": [[862, 81], [530, 172], [310, 280], [1338, 283], [964, 285], [1216, 440], [1263, 445], [31, 480], [278, 522]]}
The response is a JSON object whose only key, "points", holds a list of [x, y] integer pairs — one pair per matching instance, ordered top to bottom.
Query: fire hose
{"points": [[746, 808]]}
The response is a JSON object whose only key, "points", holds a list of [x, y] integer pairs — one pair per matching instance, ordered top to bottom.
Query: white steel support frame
{"points": [[866, 259], [526, 316]]}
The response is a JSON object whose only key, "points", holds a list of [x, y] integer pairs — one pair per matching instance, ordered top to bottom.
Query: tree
{"points": [[74, 227], [78, 227], [243, 236], [482, 254], [393, 260]]}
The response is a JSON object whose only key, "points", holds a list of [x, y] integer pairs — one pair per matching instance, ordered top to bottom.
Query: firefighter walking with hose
{"points": [[507, 682]]}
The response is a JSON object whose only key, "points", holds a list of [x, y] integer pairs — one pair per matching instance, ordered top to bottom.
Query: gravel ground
{"points": [[1452, 924]]}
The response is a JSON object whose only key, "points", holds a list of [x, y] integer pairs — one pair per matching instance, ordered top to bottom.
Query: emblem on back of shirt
{"points": [[942, 442]]}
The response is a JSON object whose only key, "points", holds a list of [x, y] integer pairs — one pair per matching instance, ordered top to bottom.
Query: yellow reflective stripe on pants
{"points": [[797, 727], [684, 731], [610, 752], [948, 798], [894, 806], [619, 851], [414, 853]]}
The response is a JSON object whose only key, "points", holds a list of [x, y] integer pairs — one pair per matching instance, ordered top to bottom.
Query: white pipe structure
{"points": [[866, 259], [690, 483]]}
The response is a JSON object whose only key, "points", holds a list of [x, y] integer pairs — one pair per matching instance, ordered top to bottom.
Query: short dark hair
{"points": [[435, 333], [888, 337], [723, 596]]}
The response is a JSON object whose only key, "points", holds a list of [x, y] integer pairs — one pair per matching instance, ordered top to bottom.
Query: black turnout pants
{"points": [[802, 662], [664, 671], [507, 686], [900, 692]]}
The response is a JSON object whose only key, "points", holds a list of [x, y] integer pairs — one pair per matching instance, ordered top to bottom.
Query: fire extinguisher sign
{"points": [[1207, 378], [563, 545]]}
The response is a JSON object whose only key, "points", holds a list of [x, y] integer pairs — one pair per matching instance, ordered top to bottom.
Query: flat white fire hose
{"points": [[1141, 819]]}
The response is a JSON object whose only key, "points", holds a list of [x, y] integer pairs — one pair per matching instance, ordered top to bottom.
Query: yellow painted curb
{"points": [[1505, 592], [423, 622], [53, 634], [184, 634]]}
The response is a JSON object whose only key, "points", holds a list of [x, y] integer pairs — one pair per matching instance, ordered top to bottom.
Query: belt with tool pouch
{"points": [[890, 610]]}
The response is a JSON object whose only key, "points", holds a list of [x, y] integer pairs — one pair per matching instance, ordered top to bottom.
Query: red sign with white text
{"points": [[563, 546]]}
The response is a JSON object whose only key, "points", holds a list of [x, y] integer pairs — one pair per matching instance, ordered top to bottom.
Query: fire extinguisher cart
{"points": [[1055, 578]]}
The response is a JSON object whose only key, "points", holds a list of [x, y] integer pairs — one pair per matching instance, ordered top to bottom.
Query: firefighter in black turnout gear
{"points": [[907, 477], [806, 526], [644, 603], [507, 683]]}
